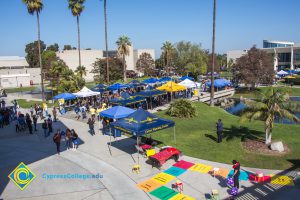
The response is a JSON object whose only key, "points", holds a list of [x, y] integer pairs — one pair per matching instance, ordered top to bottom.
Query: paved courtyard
{"points": [[118, 182]]}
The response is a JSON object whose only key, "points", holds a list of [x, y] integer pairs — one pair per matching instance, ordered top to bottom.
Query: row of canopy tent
{"points": [[164, 79], [219, 83]]}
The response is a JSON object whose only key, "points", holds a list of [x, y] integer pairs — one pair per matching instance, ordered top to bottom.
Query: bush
{"points": [[181, 108]]}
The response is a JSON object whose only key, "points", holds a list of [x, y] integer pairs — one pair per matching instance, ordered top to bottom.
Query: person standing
{"points": [[31, 110], [54, 112], [34, 118], [91, 122], [29, 123], [45, 128], [219, 130], [68, 138], [74, 139], [56, 140], [236, 167]]}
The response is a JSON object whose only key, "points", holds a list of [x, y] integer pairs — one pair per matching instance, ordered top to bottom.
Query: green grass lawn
{"points": [[23, 89], [294, 91], [26, 104], [195, 137]]}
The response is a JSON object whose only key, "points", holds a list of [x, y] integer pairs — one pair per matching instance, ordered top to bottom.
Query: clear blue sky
{"points": [[240, 23]]}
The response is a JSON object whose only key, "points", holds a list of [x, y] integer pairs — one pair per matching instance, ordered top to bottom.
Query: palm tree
{"points": [[36, 6], [76, 6], [106, 43], [123, 44], [167, 54], [213, 57], [57, 69], [81, 71], [272, 104]]}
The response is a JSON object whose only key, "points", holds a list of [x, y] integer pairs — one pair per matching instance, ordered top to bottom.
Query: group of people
{"points": [[69, 136]]}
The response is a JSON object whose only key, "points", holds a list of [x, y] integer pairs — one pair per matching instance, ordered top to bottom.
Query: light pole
{"points": [[213, 57]]}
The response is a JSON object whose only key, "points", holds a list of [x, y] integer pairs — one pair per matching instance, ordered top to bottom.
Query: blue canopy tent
{"points": [[186, 77], [165, 79], [150, 81], [134, 82], [219, 83], [117, 86], [99, 88], [150, 94], [125, 95], [65, 96], [127, 102], [117, 112], [141, 123]]}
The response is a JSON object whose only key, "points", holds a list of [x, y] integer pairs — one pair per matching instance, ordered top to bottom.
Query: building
{"points": [[286, 54], [88, 58], [13, 62], [14, 80]]}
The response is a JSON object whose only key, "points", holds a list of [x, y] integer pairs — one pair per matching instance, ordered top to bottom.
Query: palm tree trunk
{"points": [[78, 35], [106, 43], [40, 56], [213, 57], [124, 69], [268, 134]]}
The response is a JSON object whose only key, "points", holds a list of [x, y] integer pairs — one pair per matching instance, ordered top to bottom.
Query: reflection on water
{"points": [[238, 107]]}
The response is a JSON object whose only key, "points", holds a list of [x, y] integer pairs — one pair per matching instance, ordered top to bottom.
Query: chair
{"points": [[136, 168], [215, 171], [259, 177], [179, 186]]}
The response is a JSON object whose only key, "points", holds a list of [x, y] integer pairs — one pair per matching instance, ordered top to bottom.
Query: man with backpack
{"points": [[49, 123], [45, 127], [56, 140]]}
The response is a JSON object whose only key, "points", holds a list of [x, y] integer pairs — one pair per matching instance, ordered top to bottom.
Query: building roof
{"points": [[13, 61], [14, 75]]}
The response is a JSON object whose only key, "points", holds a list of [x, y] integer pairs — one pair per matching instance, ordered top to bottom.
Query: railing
{"points": [[205, 97]]}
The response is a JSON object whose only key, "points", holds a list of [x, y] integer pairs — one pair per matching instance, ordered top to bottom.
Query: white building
{"points": [[286, 54], [88, 57], [14, 80]]}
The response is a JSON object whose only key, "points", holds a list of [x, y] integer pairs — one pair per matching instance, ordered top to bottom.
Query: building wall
{"points": [[138, 52], [235, 54], [88, 57], [33, 72], [12, 81]]}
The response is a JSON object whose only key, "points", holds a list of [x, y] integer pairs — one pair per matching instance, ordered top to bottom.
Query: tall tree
{"points": [[76, 6], [35, 7], [106, 43], [124, 45], [54, 47], [67, 47], [168, 50], [32, 53], [213, 56], [48, 57], [145, 64], [256, 67], [56, 71], [81, 71], [271, 104]]}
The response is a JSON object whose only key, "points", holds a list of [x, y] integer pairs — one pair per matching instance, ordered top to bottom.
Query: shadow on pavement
{"points": [[26, 148]]}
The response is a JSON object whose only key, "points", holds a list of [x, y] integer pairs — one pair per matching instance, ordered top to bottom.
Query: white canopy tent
{"points": [[281, 72], [189, 84], [86, 92]]}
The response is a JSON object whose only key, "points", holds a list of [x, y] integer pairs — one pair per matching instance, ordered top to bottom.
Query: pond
{"points": [[238, 107]]}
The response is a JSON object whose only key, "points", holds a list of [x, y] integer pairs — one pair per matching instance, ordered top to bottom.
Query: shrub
{"points": [[181, 108]]}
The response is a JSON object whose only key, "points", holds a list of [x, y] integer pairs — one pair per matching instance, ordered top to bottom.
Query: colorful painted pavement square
{"points": [[183, 164], [201, 168], [175, 171], [243, 175], [163, 178], [282, 180], [149, 185], [163, 193], [181, 197]]}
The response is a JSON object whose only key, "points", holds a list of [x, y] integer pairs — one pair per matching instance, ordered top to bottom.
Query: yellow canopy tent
{"points": [[289, 77], [171, 87]]}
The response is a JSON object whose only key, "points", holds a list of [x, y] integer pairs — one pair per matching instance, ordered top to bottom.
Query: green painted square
{"points": [[163, 193]]}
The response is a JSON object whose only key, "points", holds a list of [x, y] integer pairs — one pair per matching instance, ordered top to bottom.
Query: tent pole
{"points": [[174, 136], [110, 141], [137, 144]]}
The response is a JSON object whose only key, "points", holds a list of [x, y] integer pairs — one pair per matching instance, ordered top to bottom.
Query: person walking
{"points": [[31, 110], [54, 112], [34, 118], [91, 122], [49, 123], [45, 128], [219, 130], [68, 138], [56, 140], [74, 140], [236, 167]]}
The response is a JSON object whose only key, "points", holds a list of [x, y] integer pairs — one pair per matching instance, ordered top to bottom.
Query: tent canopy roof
{"points": [[186, 77], [189, 84], [117, 86], [171, 87], [85, 92], [150, 93], [65, 96], [129, 101], [117, 112], [142, 122]]}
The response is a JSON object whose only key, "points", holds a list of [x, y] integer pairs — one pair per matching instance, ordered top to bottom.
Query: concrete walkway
{"points": [[95, 156]]}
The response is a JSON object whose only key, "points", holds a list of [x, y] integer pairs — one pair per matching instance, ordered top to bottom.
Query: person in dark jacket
{"points": [[29, 123], [219, 130], [56, 140], [236, 167]]}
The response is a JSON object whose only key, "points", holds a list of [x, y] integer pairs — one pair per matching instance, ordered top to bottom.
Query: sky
{"points": [[240, 24]]}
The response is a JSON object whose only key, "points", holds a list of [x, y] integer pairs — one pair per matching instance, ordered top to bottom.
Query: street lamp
{"points": [[213, 57]]}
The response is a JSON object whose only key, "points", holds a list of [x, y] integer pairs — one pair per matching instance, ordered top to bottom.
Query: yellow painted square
{"points": [[201, 168], [163, 178], [281, 180], [149, 185], [181, 197]]}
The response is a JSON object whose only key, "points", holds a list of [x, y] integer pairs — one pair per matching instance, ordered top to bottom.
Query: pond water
{"points": [[238, 107]]}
